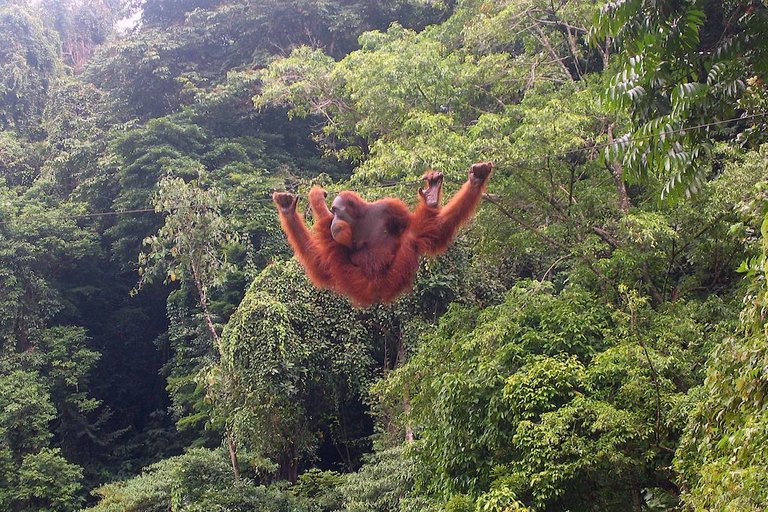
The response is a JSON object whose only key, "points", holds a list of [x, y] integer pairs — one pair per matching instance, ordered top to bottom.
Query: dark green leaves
{"points": [[681, 71]]}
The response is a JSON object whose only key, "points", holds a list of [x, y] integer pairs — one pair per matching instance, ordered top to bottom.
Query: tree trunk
{"points": [[546, 43], [617, 171], [203, 298], [21, 330], [406, 393], [232, 448], [289, 465], [637, 500]]}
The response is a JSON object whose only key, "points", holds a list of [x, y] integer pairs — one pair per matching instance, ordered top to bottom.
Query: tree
{"points": [[81, 26], [29, 64], [685, 69], [20, 160], [34, 236], [190, 243], [189, 246], [295, 365], [553, 401], [721, 460], [33, 476], [46, 481], [196, 481], [384, 483]]}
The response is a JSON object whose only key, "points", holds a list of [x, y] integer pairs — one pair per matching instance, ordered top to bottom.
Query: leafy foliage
{"points": [[30, 65], [685, 65], [579, 348], [291, 355], [505, 409], [721, 459], [34, 477], [196, 481], [382, 484]]}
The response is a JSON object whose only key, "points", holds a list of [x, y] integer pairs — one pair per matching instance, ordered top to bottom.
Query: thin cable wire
{"points": [[623, 138], [596, 147], [510, 163], [84, 215]]}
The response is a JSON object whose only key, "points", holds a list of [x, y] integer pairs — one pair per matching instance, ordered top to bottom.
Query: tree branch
{"points": [[550, 241]]}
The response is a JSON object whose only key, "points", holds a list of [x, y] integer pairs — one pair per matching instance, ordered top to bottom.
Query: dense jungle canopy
{"points": [[594, 340]]}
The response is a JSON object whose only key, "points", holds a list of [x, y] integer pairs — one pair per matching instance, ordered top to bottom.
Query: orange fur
{"points": [[381, 263]]}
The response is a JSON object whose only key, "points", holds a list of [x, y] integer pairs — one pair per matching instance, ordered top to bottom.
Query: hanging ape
{"points": [[370, 252]]}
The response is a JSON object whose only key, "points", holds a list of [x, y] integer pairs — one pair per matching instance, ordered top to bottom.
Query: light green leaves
{"points": [[191, 243]]}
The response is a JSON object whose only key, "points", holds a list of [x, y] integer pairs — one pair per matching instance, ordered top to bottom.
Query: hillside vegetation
{"points": [[594, 340]]}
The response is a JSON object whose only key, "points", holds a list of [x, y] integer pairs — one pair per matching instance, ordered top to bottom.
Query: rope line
{"points": [[519, 163], [85, 215]]}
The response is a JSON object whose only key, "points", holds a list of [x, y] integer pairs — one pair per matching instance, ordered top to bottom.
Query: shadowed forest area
{"points": [[593, 340]]}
